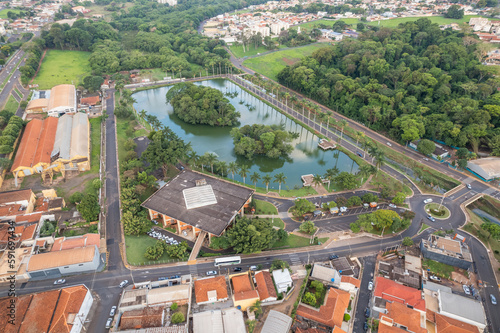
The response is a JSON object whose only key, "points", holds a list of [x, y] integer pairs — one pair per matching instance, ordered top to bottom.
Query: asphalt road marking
{"points": [[294, 258]]}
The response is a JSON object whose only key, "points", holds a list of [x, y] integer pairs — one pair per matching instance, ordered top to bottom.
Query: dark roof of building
{"points": [[169, 200]]}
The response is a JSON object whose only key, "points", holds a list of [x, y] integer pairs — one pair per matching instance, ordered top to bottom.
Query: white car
{"points": [[469, 186], [426, 201], [392, 205], [343, 209], [212, 273], [435, 278], [60, 281], [123, 284], [370, 285], [466, 289], [113, 311], [109, 322]]}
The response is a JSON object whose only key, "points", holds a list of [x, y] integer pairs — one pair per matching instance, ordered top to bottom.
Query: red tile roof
{"points": [[92, 100], [37, 143], [14, 196], [9, 210], [28, 218], [28, 232], [63, 243], [351, 280], [265, 285], [203, 286], [242, 288], [395, 292], [69, 304], [331, 313], [403, 315], [143, 318], [449, 325], [384, 328]]}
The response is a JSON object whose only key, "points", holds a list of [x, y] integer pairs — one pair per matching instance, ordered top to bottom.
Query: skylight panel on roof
{"points": [[199, 196]]}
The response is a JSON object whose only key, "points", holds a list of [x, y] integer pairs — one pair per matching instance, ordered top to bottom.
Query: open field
{"points": [[3, 13], [434, 19], [313, 24], [237, 50], [271, 64], [59, 67], [11, 104], [136, 247]]}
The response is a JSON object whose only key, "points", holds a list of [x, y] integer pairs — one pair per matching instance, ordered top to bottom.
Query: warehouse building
{"points": [[62, 100], [486, 168]]}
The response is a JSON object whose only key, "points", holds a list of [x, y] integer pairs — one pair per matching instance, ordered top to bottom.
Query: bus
{"points": [[227, 261]]}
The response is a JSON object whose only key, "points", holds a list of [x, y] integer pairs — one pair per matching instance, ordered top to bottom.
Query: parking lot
{"points": [[350, 211], [162, 235]]}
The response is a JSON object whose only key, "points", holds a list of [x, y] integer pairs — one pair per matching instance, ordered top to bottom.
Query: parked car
{"points": [[359, 154], [469, 186], [426, 201], [373, 204], [365, 205], [393, 205], [343, 209], [334, 210], [317, 213], [333, 256], [254, 268], [237, 269], [212, 273], [175, 277], [162, 278], [435, 278], [60, 281], [123, 284], [370, 285], [466, 289], [493, 299], [113, 311], [367, 312], [109, 322], [365, 326]]}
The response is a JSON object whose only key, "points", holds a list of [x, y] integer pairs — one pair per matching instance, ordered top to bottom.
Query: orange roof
{"points": [[62, 95], [92, 100], [40, 103], [36, 144], [15, 195], [41, 205], [9, 210], [28, 218], [28, 232], [63, 243], [61, 258], [349, 279], [265, 285], [203, 286], [242, 288], [395, 292], [49, 311], [331, 313], [403, 315], [142, 318], [449, 325], [384, 328], [338, 330]]}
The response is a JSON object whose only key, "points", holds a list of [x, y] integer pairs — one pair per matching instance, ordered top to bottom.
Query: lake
{"points": [[306, 158]]}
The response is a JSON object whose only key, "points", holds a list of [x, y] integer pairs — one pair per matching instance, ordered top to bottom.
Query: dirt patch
{"points": [[290, 61]]}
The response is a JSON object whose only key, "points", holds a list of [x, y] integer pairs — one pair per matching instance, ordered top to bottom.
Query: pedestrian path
{"points": [[294, 259]]}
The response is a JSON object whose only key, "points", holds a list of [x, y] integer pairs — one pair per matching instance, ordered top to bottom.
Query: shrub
{"points": [[75, 197], [341, 201], [353, 201], [355, 227], [309, 298], [174, 306], [347, 317], [177, 318]]}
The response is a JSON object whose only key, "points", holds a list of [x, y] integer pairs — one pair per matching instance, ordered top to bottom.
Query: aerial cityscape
{"points": [[201, 166]]}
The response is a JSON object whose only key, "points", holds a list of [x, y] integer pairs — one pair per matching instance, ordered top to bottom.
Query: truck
{"points": [[373, 204]]}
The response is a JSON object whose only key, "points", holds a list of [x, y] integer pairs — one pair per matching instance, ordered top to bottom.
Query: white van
{"points": [[426, 201]]}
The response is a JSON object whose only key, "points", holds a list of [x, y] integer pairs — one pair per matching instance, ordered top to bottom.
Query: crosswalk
{"points": [[294, 259], [193, 270]]}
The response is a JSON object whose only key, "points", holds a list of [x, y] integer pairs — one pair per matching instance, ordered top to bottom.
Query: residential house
{"points": [[282, 280], [265, 286], [210, 290], [244, 292]]}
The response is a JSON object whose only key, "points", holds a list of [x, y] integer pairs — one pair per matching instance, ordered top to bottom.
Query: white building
{"points": [[169, 2], [279, 26], [62, 100], [488, 168], [282, 280]]}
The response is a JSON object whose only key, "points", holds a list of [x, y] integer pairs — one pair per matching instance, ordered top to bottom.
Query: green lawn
{"points": [[3, 13], [392, 23], [315, 24], [249, 50], [271, 64], [60, 67], [11, 105], [95, 140], [383, 179], [265, 208], [444, 213], [275, 221], [424, 226], [475, 228], [295, 241], [136, 247], [438, 268]]}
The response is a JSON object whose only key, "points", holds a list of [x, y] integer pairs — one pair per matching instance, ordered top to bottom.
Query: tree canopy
{"points": [[201, 105], [257, 139], [251, 235]]}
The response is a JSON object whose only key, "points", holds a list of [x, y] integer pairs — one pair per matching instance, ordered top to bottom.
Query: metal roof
{"points": [[199, 196], [277, 322]]}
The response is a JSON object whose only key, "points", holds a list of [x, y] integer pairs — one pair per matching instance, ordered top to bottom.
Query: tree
{"points": [[454, 12], [426, 147], [462, 153], [210, 158], [462, 163], [233, 168], [243, 172], [330, 175], [255, 177], [280, 178], [267, 179], [317, 180], [346, 181], [75, 197], [369, 197], [399, 198], [353, 201], [301, 207], [89, 208], [384, 218], [307, 227], [492, 228], [251, 235], [282, 235], [407, 241], [177, 251], [154, 252], [309, 298], [174, 306], [177, 318]]}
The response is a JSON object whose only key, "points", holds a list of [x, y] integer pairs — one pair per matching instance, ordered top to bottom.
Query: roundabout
{"points": [[440, 212]]}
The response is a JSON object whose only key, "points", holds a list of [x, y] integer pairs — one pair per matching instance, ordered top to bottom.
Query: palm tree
{"points": [[287, 96], [293, 99], [142, 114], [322, 117], [343, 123], [359, 135], [373, 151], [192, 157], [210, 158], [203, 159], [379, 159], [222, 166], [233, 168], [365, 170], [243, 172], [330, 174], [254, 177], [267, 179], [281, 179], [317, 180]]}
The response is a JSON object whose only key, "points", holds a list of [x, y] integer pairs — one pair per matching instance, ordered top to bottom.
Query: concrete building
{"points": [[169, 2], [277, 27], [62, 100], [33, 155], [487, 168], [12, 202], [194, 203], [446, 250], [55, 264], [282, 280], [462, 309], [56, 311], [219, 321], [277, 322]]}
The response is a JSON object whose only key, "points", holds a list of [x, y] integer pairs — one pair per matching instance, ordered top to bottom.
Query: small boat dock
{"points": [[325, 144]]}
